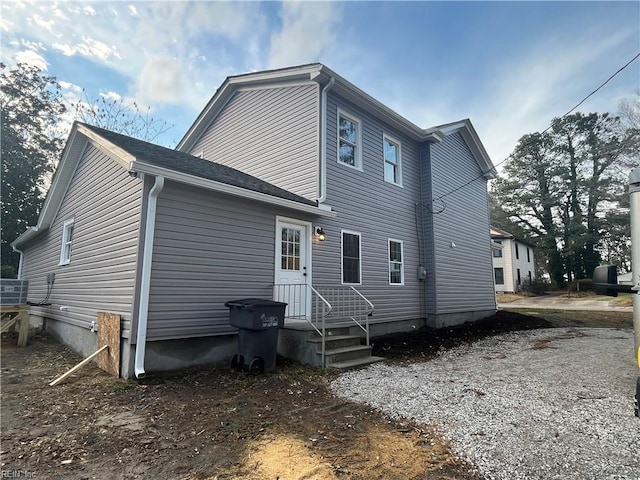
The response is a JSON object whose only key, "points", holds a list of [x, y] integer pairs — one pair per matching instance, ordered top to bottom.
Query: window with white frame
{"points": [[349, 140], [392, 167], [67, 241], [497, 252], [351, 258], [396, 264], [498, 274]]}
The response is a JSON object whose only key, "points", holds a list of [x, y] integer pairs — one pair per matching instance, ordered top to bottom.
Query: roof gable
{"points": [[321, 74], [471, 138]]}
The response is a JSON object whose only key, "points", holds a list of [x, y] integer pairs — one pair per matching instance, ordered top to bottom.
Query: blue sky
{"points": [[508, 66]]}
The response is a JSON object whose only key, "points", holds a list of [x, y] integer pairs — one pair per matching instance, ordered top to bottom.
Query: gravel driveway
{"points": [[543, 404]]}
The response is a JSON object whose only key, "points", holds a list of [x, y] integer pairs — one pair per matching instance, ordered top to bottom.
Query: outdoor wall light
{"points": [[320, 234]]}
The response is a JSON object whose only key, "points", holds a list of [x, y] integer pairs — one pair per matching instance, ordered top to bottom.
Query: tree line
{"points": [[566, 189]]}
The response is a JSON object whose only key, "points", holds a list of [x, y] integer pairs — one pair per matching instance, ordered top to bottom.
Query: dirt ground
{"points": [[213, 423]]}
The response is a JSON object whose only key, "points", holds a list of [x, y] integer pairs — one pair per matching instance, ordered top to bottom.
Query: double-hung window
{"points": [[349, 140], [392, 167], [67, 241], [497, 252], [351, 258], [396, 264], [499, 276]]}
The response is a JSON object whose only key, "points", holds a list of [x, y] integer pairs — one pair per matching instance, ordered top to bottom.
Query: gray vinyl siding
{"points": [[270, 133], [105, 204], [378, 210], [427, 211], [209, 248], [464, 273]]}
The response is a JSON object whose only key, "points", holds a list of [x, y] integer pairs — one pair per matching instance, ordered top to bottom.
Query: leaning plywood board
{"points": [[109, 334]]}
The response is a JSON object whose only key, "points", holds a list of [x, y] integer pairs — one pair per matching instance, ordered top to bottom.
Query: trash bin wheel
{"points": [[236, 361], [256, 366]]}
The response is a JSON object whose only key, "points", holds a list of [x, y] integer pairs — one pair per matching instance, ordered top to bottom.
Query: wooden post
{"points": [[12, 314]]}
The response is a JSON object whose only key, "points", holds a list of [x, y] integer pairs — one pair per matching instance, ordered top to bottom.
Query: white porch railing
{"points": [[316, 304], [349, 304]]}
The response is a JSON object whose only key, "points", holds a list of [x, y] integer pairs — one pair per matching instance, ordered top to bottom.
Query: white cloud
{"points": [[89, 10], [133, 10], [41, 22], [307, 33], [89, 48], [32, 58], [162, 80], [111, 96]]}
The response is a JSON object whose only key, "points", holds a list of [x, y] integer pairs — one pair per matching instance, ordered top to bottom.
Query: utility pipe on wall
{"points": [[323, 141], [634, 201], [20, 262], [145, 281]]}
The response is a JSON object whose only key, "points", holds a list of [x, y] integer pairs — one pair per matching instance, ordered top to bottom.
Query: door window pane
{"points": [[290, 249]]}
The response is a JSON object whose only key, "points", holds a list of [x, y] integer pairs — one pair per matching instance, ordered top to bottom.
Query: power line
{"points": [[545, 130]]}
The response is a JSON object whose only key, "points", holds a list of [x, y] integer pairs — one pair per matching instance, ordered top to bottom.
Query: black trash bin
{"points": [[258, 321]]}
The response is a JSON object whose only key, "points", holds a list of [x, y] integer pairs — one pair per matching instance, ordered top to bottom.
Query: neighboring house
{"points": [[292, 184], [513, 262]]}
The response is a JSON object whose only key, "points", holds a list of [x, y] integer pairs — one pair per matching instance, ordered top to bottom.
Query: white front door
{"points": [[293, 267]]}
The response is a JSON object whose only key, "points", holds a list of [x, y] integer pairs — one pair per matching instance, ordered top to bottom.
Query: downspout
{"points": [[323, 141], [21, 262], [145, 280]]}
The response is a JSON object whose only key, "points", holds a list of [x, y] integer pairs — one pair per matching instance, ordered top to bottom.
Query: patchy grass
{"points": [[512, 297], [622, 300], [581, 318]]}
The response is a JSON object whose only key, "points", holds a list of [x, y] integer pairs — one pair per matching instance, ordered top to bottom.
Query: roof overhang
{"points": [[470, 136], [146, 168]]}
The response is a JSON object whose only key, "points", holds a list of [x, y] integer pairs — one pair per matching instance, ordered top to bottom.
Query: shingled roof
{"points": [[184, 163]]}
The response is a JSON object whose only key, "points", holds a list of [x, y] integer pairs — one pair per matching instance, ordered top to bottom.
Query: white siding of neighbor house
{"points": [[270, 133], [105, 204], [378, 210], [461, 237], [209, 248], [504, 262], [510, 264]]}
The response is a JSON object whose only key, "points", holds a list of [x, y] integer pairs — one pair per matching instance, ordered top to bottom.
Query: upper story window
{"points": [[349, 140], [392, 167], [67, 240], [497, 252], [517, 253], [528, 255], [351, 263], [396, 266]]}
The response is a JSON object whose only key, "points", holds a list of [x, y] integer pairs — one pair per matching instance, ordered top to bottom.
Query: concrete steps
{"points": [[343, 351]]}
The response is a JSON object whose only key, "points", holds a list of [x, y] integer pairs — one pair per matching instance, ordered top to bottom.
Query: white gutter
{"points": [[323, 141], [21, 261], [145, 277]]}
